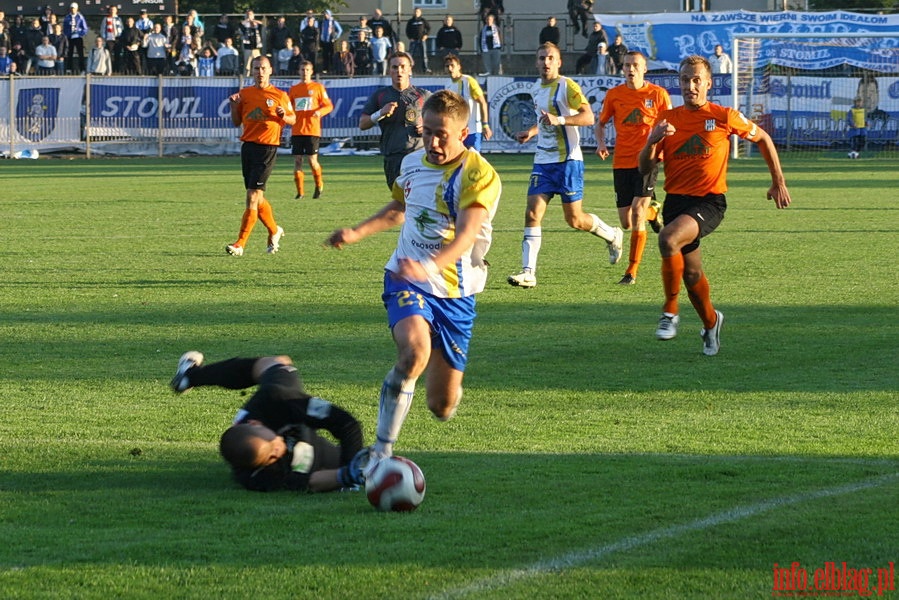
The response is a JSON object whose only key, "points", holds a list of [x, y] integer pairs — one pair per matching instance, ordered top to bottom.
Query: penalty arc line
{"points": [[739, 513]]}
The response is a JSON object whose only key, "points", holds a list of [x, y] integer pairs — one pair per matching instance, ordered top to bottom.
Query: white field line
{"points": [[574, 559]]}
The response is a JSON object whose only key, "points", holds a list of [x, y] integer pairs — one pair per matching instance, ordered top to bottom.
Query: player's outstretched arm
{"points": [[778, 190], [391, 215]]}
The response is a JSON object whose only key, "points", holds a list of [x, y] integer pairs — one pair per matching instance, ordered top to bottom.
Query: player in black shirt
{"points": [[397, 110], [273, 442]]}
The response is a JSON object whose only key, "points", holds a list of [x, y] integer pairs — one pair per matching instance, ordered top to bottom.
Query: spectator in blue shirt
{"points": [[74, 27], [330, 30], [380, 50]]}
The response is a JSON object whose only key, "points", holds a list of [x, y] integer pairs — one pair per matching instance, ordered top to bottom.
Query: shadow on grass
{"points": [[524, 345], [481, 511]]}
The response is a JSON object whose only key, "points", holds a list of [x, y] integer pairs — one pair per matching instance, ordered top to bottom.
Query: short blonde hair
{"points": [[448, 103]]}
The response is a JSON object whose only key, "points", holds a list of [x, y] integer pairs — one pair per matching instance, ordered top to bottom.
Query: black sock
{"points": [[233, 374]]}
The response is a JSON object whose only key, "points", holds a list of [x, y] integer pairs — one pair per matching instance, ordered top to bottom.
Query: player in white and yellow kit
{"points": [[469, 88], [558, 164], [445, 198]]}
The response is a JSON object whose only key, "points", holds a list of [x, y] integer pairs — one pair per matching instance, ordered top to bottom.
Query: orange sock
{"points": [[317, 175], [298, 180], [267, 217], [246, 226], [638, 244], [672, 275], [702, 302]]}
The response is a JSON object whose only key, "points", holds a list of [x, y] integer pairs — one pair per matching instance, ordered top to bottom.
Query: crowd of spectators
{"points": [[160, 45]]}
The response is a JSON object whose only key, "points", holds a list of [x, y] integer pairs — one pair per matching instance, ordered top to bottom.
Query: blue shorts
{"points": [[474, 141], [564, 178], [451, 319]]}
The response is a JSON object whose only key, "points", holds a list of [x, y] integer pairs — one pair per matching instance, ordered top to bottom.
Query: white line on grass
{"points": [[573, 559]]}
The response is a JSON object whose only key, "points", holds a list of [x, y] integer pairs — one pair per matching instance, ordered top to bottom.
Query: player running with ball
{"points": [[445, 198]]}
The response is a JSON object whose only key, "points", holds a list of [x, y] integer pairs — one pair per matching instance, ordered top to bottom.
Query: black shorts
{"points": [[304, 145], [257, 161], [392, 166], [630, 184], [708, 211], [281, 382]]}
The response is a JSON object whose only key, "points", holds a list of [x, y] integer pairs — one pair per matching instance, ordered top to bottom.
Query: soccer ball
{"points": [[852, 154], [395, 484]]}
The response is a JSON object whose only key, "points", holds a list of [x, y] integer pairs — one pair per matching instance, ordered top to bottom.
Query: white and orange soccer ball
{"points": [[395, 484]]}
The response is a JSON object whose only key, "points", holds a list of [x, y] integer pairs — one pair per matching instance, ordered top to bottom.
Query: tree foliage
{"points": [[855, 5]]}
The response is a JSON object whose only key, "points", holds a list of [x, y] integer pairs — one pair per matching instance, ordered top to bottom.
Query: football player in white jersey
{"points": [[468, 87], [561, 108], [445, 198]]}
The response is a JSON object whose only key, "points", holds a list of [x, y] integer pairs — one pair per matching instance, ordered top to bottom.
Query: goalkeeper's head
{"points": [[251, 446]]}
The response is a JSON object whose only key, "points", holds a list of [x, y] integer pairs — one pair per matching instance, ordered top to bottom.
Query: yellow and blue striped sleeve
{"points": [[574, 95], [480, 184]]}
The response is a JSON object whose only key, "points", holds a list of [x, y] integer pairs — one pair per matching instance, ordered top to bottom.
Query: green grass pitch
{"points": [[587, 460]]}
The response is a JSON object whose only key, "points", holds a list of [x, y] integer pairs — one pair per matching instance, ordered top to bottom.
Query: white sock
{"points": [[601, 229], [530, 247], [396, 399]]}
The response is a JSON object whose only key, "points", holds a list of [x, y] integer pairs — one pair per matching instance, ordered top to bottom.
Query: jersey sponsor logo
{"points": [[256, 115], [634, 118], [695, 146], [423, 221]]}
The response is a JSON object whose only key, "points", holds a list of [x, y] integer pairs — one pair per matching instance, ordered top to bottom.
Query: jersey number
{"points": [[407, 298]]}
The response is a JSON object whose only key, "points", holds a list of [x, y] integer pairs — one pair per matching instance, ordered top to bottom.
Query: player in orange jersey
{"points": [[311, 103], [632, 108], [263, 110], [694, 142]]}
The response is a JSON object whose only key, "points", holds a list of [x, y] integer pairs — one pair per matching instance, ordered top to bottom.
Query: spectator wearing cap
{"points": [[144, 24], [74, 27], [330, 31]]}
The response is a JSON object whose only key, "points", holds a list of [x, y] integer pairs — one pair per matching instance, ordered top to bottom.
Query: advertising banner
{"points": [[666, 38], [46, 112]]}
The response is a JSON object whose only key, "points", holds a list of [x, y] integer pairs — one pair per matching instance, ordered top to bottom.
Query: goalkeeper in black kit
{"points": [[273, 442]]}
